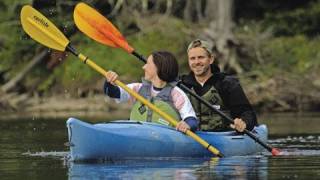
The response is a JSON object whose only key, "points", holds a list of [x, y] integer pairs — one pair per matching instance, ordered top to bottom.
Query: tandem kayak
{"points": [[123, 139]]}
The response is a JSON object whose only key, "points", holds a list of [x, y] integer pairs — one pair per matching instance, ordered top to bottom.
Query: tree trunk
{"points": [[168, 7], [116, 8], [192, 11], [187, 13], [220, 13], [14, 81]]}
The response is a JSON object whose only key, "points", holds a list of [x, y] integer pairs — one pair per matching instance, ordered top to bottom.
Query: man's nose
{"points": [[197, 60]]}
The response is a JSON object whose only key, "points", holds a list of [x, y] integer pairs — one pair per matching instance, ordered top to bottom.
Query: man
{"points": [[222, 91]]}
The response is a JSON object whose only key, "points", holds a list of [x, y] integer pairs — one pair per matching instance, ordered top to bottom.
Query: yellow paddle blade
{"points": [[39, 28], [99, 28]]}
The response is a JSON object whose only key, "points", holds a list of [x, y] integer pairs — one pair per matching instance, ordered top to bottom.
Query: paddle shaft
{"points": [[93, 65], [186, 89]]}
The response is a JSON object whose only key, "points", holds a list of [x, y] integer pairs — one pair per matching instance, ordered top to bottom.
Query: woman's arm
{"points": [[116, 92], [185, 109]]}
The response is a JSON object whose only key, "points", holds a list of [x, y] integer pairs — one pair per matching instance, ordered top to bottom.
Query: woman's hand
{"points": [[111, 77], [238, 125], [182, 126]]}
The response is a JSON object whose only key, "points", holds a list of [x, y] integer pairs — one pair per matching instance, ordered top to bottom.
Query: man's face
{"points": [[199, 61]]}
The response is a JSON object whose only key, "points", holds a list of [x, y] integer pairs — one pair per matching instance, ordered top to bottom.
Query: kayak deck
{"points": [[125, 139]]}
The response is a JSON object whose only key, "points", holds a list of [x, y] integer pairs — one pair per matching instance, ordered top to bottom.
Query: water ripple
{"points": [[298, 145]]}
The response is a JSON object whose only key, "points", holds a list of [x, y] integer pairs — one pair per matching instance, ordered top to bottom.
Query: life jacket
{"points": [[163, 101], [209, 119]]}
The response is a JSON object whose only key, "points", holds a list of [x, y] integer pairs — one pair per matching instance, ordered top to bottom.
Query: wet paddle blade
{"points": [[39, 28], [99, 28], [275, 152]]}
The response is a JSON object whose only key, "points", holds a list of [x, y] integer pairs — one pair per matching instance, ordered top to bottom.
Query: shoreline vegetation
{"points": [[270, 46], [97, 107]]}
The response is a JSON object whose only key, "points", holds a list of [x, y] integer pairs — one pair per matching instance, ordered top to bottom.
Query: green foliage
{"points": [[303, 20], [166, 34], [13, 47], [294, 55], [297, 55], [74, 73], [47, 84]]}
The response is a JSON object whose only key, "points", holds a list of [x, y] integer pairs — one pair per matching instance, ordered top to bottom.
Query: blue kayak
{"points": [[123, 139]]}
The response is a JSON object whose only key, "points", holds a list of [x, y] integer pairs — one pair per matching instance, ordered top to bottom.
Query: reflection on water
{"points": [[291, 123], [34, 149], [300, 159], [236, 167]]}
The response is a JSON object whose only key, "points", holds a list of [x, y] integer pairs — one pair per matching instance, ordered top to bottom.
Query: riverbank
{"points": [[96, 107]]}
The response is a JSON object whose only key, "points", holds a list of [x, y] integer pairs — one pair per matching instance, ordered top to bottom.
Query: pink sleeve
{"points": [[135, 87], [178, 99], [182, 103]]}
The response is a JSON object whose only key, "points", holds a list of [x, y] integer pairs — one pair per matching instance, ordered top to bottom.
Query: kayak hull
{"points": [[132, 139]]}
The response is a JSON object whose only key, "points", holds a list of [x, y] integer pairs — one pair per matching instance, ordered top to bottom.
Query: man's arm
{"points": [[238, 103]]}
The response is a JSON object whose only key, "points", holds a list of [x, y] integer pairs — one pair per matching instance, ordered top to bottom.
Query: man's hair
{"points": [[203, 44], [167, 65]]}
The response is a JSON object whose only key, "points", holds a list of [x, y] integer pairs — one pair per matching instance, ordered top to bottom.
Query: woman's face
{"points": [[150, 69]]}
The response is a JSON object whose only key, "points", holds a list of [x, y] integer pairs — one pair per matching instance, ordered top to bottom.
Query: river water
{"points": [[34, 149]]}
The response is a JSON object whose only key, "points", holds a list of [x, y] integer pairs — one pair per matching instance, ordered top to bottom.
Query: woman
{"points": [[159, 87]]}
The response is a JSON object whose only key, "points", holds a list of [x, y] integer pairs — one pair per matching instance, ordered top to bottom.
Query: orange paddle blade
{"points": [[99, 28]]}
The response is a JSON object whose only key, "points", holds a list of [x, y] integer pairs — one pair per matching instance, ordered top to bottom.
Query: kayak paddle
{"points": [[39, 28], [99, 28]]}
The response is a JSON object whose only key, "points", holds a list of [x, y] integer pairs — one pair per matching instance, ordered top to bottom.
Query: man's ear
{"points": [[211, 59]]}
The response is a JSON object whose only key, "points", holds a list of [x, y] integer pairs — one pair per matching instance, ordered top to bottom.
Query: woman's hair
{"points": [[166, 64]]}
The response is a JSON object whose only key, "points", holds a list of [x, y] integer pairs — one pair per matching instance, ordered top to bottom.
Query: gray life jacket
{"points": [[163, 101], [209, 119]]}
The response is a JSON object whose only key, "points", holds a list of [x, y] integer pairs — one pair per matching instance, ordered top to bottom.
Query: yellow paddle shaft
{"points": [[93, 65]]}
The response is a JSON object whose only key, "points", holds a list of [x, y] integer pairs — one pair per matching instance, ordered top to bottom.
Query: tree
{"points": [[220, 16]]}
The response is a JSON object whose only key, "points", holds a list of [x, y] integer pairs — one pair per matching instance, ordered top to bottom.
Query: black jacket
{"points": [[230, 91]]}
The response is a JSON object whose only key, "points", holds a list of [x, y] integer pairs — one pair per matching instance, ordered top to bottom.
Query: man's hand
{"points": [[238, 125]]}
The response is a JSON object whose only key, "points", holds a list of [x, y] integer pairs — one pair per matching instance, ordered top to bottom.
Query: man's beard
{"points": [[203, 72]]}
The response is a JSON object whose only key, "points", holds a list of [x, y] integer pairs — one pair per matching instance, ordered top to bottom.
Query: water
{"points": [[34, 149]]}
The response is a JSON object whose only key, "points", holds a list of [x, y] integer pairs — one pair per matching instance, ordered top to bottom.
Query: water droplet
{"points": [[51, 11], [310, 137]]}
